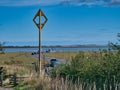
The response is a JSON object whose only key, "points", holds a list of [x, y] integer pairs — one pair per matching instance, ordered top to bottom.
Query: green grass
{"points": [[62, 55], [16, 58], [26, 58], [22, 61], [17, 62]]}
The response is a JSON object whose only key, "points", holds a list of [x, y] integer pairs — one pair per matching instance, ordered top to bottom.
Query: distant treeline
{"points": [[60, 46]]}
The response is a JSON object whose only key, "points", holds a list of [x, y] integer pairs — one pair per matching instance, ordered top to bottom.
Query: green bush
{"points": [[102, 67]]}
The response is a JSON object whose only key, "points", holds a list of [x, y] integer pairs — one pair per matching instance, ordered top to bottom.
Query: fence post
{"points": [[1, 78], [14, 79]]}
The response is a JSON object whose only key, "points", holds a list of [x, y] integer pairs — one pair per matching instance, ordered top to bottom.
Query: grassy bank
{"points": [[62, 55], [68, 55], [16, 58], [22, 61], [17, 62], [87, 70]]}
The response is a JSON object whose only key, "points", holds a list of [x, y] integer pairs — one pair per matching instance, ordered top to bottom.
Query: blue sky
{"points": [[69, 21]]}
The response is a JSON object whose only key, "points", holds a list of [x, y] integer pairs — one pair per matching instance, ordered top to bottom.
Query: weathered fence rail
{"points": [[13, 79]]}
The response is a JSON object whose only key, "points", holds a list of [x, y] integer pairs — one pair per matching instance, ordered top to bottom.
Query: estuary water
{"points": [[54, 49]]}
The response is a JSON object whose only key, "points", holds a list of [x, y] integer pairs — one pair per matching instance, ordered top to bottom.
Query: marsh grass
{"points": [[62, 55], [16, 58], [87, 62], [46, 83]]}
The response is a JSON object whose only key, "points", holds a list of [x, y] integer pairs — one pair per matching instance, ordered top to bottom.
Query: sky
{"points": [[70, 22]]}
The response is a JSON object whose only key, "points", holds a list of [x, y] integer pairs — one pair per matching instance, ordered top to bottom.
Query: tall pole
{"points": [[40, 25], [40, 44], [40, 50], [39, 54]]}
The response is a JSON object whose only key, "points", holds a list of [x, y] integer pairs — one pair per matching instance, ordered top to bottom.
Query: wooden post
{"points": [[1, 77], [14, 79]]}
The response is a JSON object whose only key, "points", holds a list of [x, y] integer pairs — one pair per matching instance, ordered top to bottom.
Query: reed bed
{"points": [[46, 83]]}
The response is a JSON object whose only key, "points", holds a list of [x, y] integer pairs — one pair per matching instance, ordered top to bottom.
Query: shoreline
{"points": [[60, 46]]}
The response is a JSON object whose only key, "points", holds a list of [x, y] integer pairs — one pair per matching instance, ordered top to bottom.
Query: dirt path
{"points": [[1, 88]]}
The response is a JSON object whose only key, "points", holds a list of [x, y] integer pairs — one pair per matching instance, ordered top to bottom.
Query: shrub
{"points": [[101, 69]]}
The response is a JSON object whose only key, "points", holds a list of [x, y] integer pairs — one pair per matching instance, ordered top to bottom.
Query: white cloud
{"points": [[28, 2], [63, 2], [92, 2], [115, 2]]}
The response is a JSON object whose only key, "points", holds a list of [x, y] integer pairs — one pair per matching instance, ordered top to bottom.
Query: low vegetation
{"points": [[62, 55], [16, 58], [100, 68], [86, 70]]}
